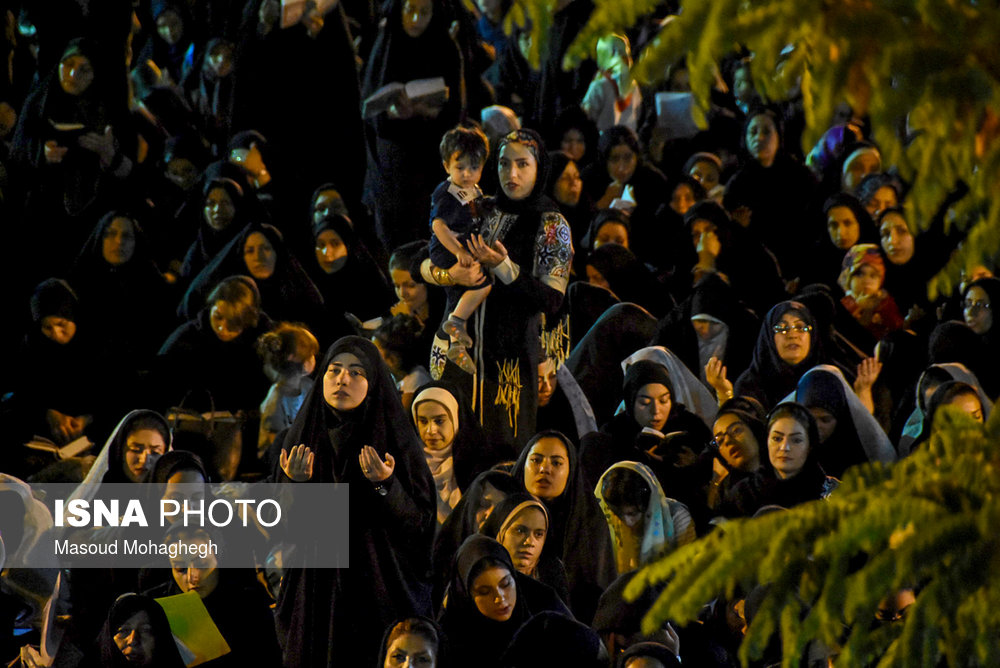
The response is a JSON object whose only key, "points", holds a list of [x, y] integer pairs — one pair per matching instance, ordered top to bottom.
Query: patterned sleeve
{"points": [[553, 251]]}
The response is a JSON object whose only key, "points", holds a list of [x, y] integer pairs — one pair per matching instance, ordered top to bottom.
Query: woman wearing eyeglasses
{"points": [[979, 308], [787, 346], [737, 448]]}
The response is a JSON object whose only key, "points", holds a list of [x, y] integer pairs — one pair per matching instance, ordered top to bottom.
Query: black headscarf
{"points": [[629, 278], [359, 287], [288, 294], [990, 368], [769, 378], [843, 448], [575, 518], [462, 522], [391, 535], [552, 639], [477, 640], [165, 654]]}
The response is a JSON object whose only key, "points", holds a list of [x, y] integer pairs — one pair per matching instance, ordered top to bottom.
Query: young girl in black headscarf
{"points": [[352, 429], [488, 601]]}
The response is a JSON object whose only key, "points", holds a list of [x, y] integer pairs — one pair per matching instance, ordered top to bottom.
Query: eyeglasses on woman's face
{"points": [[785, 329]]}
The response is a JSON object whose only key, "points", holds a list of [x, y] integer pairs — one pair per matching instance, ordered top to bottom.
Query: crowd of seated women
{"points": [[637, 335]]}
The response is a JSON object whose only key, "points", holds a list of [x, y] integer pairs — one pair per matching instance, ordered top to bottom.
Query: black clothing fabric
{"points": [[560, 89], [312, 121], [403, 158], [779, 198], [209, 241], [629, 279], [359, 287], [286, 295], [115, 297], [714, 297], [586, 304], [954, 341], [194, 359], [596, 362], [989, 368], [769, 378], [620, 439], [765, 488], [478, 497], [575, 519], [549, 569], [241, 609], [329, 616], [476, 639], [553, 639], [106, 653]]}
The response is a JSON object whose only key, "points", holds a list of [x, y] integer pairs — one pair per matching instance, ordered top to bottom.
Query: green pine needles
{"points": [[929, 522]]}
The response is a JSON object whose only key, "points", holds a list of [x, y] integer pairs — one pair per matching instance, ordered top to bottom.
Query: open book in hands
{"points": [[432, 93], [71, 449]]}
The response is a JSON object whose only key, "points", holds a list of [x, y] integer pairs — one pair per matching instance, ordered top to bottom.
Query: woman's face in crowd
{"points": [[417, 16], [169, 27], [220, 60], [76, 74], [762, 139], [574, 144], [622, 162], [861, 166], [518, 170], [181, 172], [706, 173], [569, 186], [884, 198], [682, 199], [328, 202], [219, 209], [699, 227], [843, 227], [611, 232], [897, 241], [118, 243], [331, 251], [259, 256], [595, 277], [408, 291], [977, 310], [221, 317], [58, 329], [707, 329], [794, 342], [345, 383], [970, 405], [652, 406], [826, 422], [435, 426], [736, 443], [787, 447], [142, 448], [547, 469], [186, 485], [491, 497], [525, 539], [192, 573], [495, 593], [135, 639], [410, 650]]}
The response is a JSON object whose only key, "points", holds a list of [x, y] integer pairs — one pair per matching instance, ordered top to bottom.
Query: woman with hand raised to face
{"points": [[352, 429]]}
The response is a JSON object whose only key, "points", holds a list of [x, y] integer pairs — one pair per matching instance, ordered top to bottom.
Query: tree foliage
{"points": [[927, 72], [928, 521]]}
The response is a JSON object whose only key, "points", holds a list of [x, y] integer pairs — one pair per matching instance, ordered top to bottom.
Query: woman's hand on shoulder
{"points": [[297, 464], [373, 467]]}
